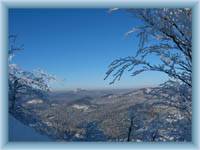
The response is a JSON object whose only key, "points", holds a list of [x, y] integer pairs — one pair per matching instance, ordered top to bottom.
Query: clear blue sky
{"points": [[77, 45]]}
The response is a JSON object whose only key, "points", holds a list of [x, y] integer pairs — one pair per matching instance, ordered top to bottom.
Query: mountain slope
{"points": [[21, 132]]}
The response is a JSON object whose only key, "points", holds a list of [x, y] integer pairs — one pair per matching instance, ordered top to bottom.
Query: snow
{"points": [[148, 90], [112, 96], [35, 101], [82, 107], [48, 123], [20, 132], [78, 135]]}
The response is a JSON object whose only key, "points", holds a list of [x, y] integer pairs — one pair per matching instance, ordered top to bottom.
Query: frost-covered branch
{"points": [[166, 34], [25, 82]]}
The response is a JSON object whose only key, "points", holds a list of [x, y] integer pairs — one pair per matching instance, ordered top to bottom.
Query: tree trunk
{"points": [[13, 99], [130, 129]]}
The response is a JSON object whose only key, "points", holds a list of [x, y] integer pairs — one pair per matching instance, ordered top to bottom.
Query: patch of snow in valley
{"points": [[112, 96], [35, 101], [81, 107], [48, 123]]}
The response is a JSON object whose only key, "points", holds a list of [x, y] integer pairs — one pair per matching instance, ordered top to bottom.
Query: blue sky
{"points": [[77, 45]]}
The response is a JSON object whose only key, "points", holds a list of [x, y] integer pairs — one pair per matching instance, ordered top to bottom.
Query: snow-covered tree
{"points": [[166, 35], [24, 82]]}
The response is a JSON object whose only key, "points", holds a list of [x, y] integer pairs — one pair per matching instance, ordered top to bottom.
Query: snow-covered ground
{"points": [[35, 101], [82, 107], [20, 132]]}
